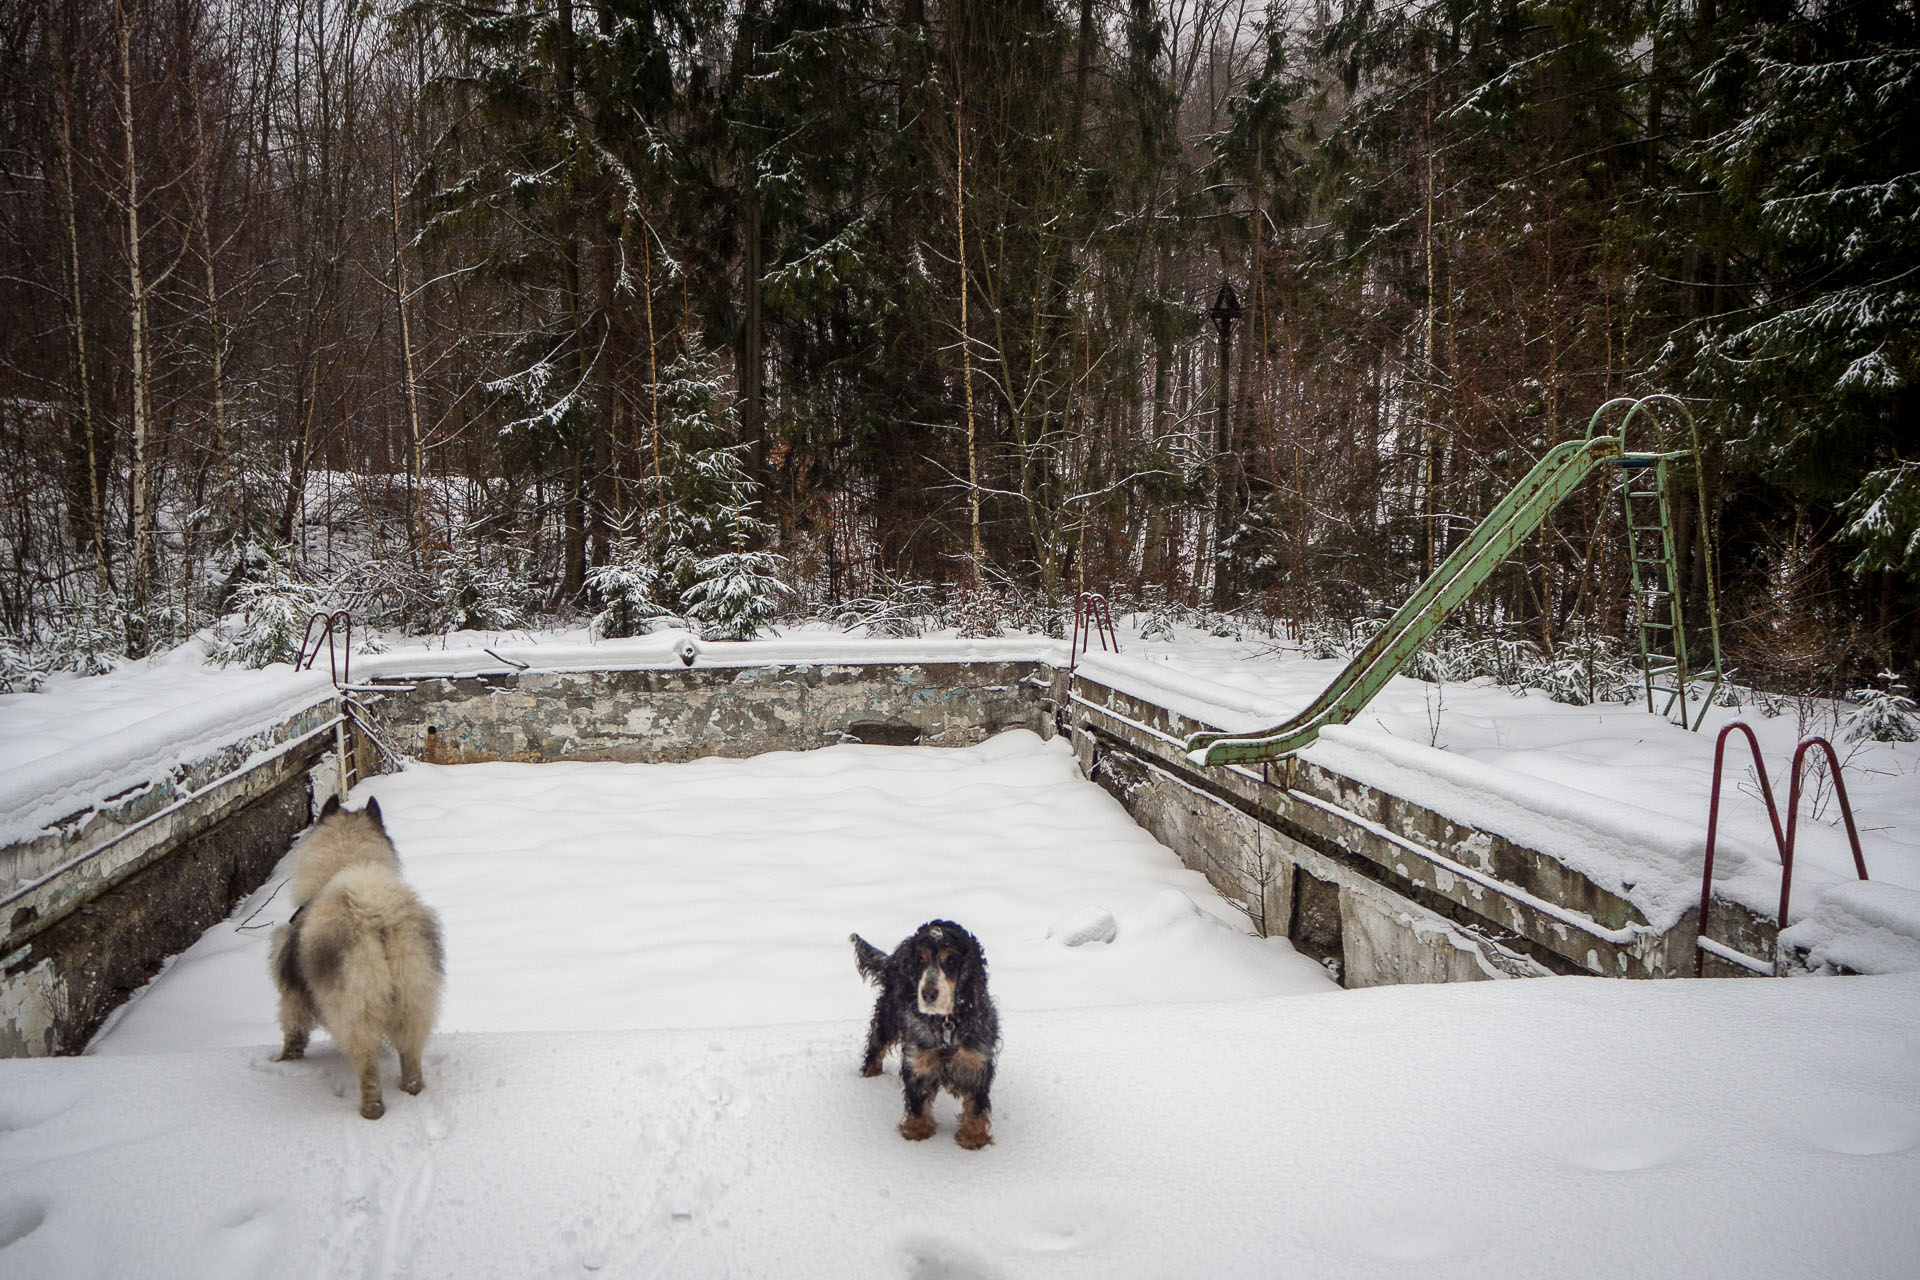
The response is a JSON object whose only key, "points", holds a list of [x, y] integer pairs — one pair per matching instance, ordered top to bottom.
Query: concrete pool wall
{"points": [[1379, 890]]}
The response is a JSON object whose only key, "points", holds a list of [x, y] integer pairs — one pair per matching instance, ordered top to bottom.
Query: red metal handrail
{"points": [[1091, 609], [304, 660], [1793, 818], [1713, 826], [1783, 839]]}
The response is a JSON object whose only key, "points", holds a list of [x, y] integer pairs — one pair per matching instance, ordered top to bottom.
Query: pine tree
{"points": [[1820, 170], [700, 508], [628, 589], [737, 593], [268, 612]]}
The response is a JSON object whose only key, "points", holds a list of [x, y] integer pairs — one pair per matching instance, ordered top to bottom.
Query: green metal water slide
{"points": [[1471, 563]]}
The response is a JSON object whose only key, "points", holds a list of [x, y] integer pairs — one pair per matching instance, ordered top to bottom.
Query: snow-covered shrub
{"points": [[1250, 555], [627, 588], [386, 591], [736, 593], [470, 594], [1017, 608], [899, 610], [268, 613], [975, 613], [1158, 626], [1223, 626], [88, 637], [1320, 638], [1447, 656], [1507, 661], [22, 669], [1583, 669], [1586, 669], [1884, 714]]}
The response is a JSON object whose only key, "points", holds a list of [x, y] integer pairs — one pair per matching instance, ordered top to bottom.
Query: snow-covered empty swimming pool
{"points": [[596, 897], [648, 1065]]}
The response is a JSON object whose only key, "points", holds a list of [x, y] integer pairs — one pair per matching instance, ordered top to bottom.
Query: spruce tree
{"points": [[1820, 170], [700, 520]]}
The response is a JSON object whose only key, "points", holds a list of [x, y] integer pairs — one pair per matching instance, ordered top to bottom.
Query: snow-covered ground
{"points": [[648, 1066], [1577, 1127]]}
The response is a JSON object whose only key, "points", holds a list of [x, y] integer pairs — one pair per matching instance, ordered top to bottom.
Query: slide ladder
{"points": [[1471, 563], [1658, 607]]}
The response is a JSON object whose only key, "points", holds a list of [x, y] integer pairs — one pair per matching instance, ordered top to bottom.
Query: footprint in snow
{"points": [[18, 1114], [1858, 1128], [1624, 1153], [19, 1219], [246, 1242], [930, 1259]]}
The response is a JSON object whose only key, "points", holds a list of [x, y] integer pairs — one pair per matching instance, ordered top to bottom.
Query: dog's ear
{"points": [[327, 810], [373, 811], [976, 959]]}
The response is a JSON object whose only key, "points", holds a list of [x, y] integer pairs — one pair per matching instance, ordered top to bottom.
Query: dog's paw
{"points": [[290, 1055], [870, 1069], [413, 1086], [373, 1108], [917, 1128], [974, 1135]]}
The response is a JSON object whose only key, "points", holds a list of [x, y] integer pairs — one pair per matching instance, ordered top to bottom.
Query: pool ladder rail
{"points": [[1091, 618], [1783, 838]]}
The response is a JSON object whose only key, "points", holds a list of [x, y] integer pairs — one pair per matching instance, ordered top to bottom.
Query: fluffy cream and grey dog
{"points": [[361, 955]]}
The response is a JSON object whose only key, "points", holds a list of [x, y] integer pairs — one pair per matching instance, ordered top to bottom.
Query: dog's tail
{"points": [[869, 959]]}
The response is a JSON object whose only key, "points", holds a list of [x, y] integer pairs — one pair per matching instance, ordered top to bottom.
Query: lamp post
{"points": [[1224, 311]]}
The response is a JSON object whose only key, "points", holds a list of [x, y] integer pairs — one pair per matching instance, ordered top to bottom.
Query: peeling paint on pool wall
{"points": [[655, 715]]}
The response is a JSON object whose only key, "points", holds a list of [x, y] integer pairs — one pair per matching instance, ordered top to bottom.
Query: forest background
{"points": [[477, 313]]}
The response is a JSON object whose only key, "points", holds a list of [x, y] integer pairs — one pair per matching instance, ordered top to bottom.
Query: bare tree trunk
{"points": [[966, 347], [653, 357], [752, 360], [1224, 447], [416, 457], [229, 498], [140, 505], [1430, 513], [96, 519], [574, 570]]}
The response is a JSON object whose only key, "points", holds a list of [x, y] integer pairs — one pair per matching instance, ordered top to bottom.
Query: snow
{"points": [[469, 654], [83, 741], [1616, 793], [1617, 845], [721, 893], [1864, 926], [648, 1059], [648, 1065], [1562, 1126]]}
